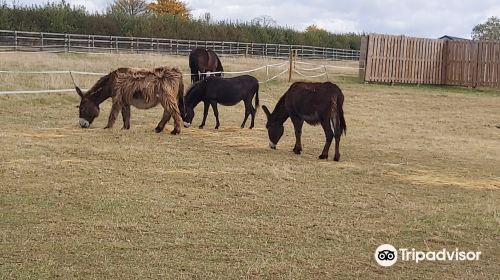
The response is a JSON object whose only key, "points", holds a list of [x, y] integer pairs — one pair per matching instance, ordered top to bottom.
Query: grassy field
{"points": [[420, 168]]}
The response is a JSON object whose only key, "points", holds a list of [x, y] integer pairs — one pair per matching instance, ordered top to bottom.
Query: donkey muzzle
{"points": [[84, 123], [272, 145]]}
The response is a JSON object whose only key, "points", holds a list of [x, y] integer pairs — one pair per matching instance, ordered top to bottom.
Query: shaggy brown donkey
{"points": [[141, 88], [314, 103]]}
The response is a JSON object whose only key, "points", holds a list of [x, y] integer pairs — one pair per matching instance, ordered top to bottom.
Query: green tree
{"points": [[314, 28], [490, 30]]}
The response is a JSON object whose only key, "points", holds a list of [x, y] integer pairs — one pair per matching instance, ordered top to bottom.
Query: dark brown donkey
{"points": [[202, 61], [141, 88], [314, 103]]}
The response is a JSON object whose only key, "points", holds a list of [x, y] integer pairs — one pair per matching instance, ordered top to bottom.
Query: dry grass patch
{"points": [[419, 168]]}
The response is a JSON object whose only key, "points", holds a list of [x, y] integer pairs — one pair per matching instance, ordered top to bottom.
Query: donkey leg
{"points": [[248, 109], [115, 110], [253, 111], [216, 113], [205, 114], [126, 116], [177, 121], [161, 125], [297, 126], [329, 138], [337, 152]]}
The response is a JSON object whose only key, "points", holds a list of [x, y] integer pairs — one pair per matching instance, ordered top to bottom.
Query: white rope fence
{"points": [[319, 66], [315, 67], [59, 72], [310, 76], [37, 91]]}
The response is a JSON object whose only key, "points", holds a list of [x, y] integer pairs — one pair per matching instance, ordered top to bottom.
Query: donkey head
{"points": [[192, 98], [89, 110], [188, 116], [275, 129]]}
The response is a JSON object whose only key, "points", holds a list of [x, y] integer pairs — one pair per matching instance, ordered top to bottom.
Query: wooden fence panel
{"points": [[399, 59], [462, 63], [488, 64]]}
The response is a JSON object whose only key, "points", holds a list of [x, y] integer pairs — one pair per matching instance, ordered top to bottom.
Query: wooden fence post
{"points": [[362, 57], [444, 63], [290, 66], [478, 74]]}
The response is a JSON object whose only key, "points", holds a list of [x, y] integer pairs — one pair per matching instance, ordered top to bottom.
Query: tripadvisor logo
{"points": [[387, 255]]}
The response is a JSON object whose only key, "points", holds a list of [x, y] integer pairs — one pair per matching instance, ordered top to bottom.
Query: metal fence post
{"points": [[15, 40], [41, 41], [66, 48]]}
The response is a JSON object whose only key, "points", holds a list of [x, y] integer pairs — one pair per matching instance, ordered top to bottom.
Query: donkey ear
{"points": [[79, 91], [264, 108]]}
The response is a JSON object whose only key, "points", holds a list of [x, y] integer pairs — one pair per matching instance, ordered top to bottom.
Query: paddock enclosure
{"points": [[419, 169]]}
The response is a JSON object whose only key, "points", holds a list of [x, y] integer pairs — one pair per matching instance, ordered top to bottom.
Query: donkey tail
{"points": [[180, 97], [257, 97], [340, 110], [337, 121]]}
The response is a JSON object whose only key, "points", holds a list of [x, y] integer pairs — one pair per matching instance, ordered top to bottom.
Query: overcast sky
{"points": [[418, 18]]}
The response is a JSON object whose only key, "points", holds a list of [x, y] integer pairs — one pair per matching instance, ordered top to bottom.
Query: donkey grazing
{"points": [[201, 61], [141, 88], [227, 92], [314, 103]]}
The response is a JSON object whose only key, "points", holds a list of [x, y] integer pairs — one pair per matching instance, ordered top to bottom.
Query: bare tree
{"points": [[129, 7], [264, 21]]}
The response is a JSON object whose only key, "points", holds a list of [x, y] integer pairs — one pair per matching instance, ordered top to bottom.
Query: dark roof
{"points": [[453, 38]]}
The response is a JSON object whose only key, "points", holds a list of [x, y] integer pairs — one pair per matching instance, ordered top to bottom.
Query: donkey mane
{"points": [[99, 84], [189, 92]]}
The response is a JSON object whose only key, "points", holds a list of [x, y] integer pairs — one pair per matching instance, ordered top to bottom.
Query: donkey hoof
{"points": [[201, 126], [107, 127], [217, 127], [126, 128], [158, 129], [175, 132], [297, 150], [323, 156], [336, 158]]}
